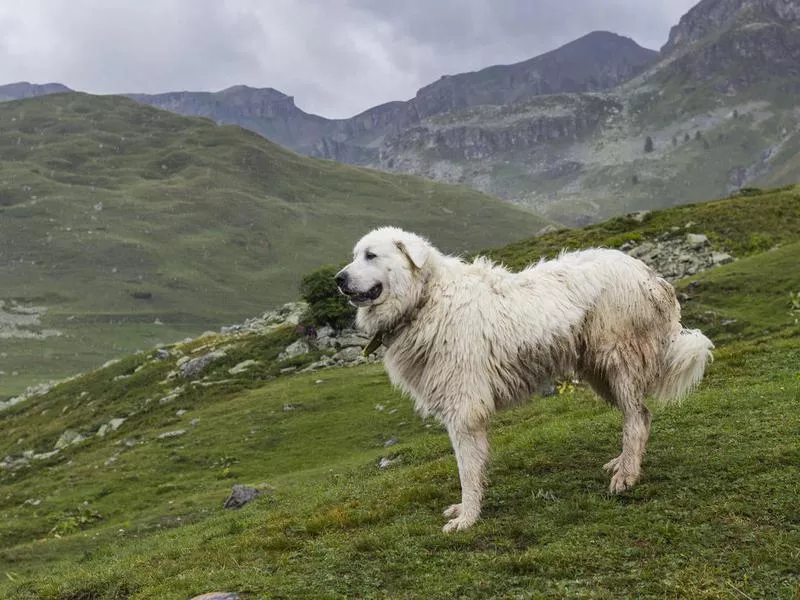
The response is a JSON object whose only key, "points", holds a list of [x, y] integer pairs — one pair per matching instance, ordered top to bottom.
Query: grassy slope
{"points": [[101, 197], [741, 225], [714, 517]]}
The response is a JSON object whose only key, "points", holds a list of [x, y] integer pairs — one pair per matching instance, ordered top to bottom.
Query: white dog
{"points": [[465, 340]]}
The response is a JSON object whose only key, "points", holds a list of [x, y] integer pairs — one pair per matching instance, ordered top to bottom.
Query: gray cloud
{"points": [[337, 57]]}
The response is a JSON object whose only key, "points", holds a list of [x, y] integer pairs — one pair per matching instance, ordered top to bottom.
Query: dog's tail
{"points": [[685, 358]]}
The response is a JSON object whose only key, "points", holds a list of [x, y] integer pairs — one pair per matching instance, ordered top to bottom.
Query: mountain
{"points": [[711, 17], [597, 61], [23, 89], [718, 107], [265, 111], [565, 133], [122, 225], [114, 483]]}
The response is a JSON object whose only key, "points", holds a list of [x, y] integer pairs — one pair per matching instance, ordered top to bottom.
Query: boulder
{"points": [[696, 240], [294, 350], [351, 354], [242, 367], [194, 368], [68, 438], [244, 494]]}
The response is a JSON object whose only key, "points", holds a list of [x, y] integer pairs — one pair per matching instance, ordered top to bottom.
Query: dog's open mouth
{"points": [[372, 293]]}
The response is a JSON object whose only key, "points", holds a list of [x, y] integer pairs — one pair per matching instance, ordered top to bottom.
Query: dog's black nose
{"points": [[341, 279]]}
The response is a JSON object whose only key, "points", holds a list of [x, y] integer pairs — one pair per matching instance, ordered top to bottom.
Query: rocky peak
{"points": [[713, 16], [735, 44], [597, 61], [25, 89], [258, 102], [267, 111]]}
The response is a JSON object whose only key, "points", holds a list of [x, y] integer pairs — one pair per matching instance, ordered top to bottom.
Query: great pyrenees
{"points": [[467, 339]]}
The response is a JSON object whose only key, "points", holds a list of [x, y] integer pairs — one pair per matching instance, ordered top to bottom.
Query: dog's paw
{"points": [[612, 465], [622, 482], [454, 510], [459, 523]]}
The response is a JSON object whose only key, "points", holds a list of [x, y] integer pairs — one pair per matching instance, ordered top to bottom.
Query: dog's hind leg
{"points": [[626, 392], [471, 447], [627, 467]]}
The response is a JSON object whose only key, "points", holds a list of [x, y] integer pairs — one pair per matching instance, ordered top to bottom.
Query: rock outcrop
{"points": [[711, 16], [597, 61], [24, 89]]}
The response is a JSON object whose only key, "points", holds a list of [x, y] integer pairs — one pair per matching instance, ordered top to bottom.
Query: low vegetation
{"points": [[136, 514]]}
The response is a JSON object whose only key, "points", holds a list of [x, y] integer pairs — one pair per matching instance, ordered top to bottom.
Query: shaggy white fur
{"points": [[467, 339]]}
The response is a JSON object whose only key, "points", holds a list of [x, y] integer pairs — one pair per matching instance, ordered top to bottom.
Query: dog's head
{"points": [[386, 270]]}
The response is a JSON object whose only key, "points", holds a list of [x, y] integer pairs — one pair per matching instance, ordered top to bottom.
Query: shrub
{"points": [[648, 144], [326, 306]]}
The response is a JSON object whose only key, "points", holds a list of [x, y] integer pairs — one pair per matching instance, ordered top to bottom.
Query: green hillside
{"points": [[116, 216], [752, 221], [136, 515]]}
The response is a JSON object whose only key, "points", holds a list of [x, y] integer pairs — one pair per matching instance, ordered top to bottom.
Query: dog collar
{"points": [[384, 338], [373, 345]]}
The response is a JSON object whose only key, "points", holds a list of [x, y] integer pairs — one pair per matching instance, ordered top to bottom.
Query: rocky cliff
{"points": [[712, 16], [736, 43], [597, 61], [24, 89], [265, 111]]}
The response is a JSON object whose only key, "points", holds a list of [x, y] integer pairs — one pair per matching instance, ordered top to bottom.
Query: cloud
{"points": [[337, 57]]}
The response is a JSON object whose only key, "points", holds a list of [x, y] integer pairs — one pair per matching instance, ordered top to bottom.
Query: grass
{"points": [[119, 214], [750, 222], [749, 298], [714, 513], [131, 515]]}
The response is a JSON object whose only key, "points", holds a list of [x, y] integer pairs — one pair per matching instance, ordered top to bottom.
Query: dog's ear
{"points": [[415, 250]]}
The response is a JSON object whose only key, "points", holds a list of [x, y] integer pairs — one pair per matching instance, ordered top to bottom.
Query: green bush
{"points": [[326, 306]]}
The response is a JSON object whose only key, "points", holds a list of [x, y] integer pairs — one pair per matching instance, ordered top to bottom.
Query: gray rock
{"points": [[696, 240], [721, 258], [326, 331], [347, 341], [294, 350], [351, 354], [316, 366], [242, 367], [194, 368], [173, 394], [171, 434], [68, 438], [391, 442], [45, 455], [385, 463], [244, 494], [217, 596]]}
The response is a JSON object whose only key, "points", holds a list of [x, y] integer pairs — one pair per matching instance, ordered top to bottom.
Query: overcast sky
{"points": [[336, 57]]}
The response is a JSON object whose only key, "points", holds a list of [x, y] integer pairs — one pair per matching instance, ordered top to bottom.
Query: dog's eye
{"points": [[370, 255]]}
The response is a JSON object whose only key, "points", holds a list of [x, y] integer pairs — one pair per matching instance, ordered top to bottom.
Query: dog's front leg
{"points": [[471, 447]]}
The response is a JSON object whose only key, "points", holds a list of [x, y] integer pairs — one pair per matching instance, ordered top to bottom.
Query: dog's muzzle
{"points": [[357, 296]]}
